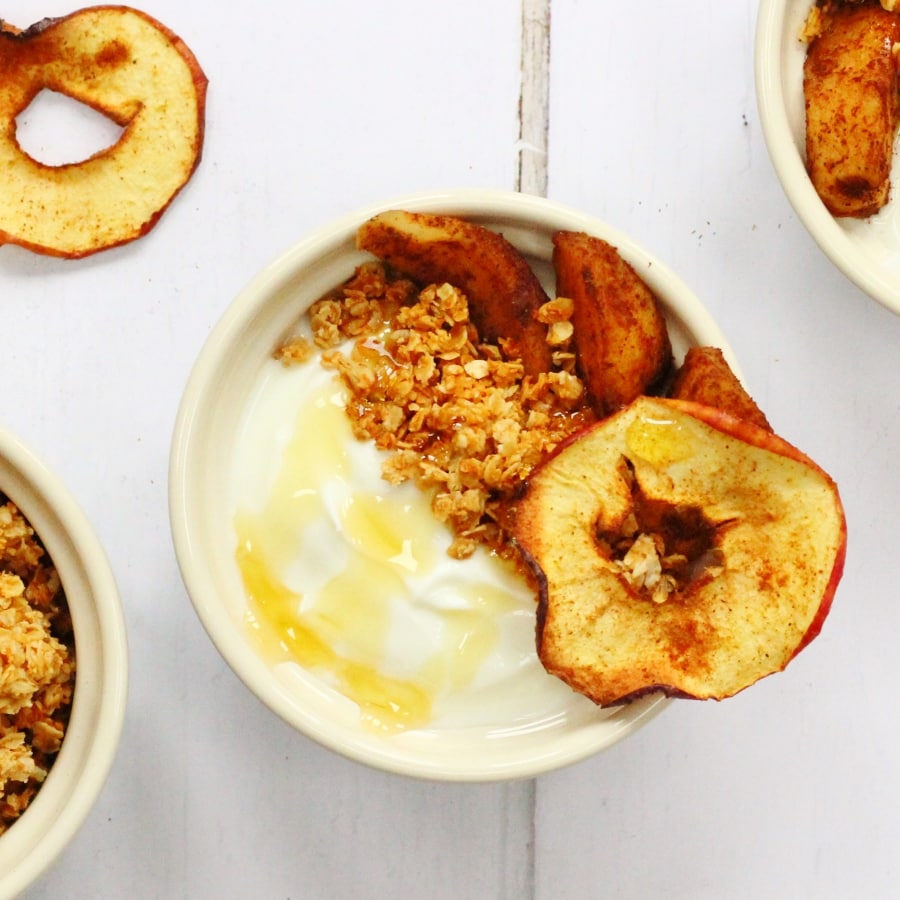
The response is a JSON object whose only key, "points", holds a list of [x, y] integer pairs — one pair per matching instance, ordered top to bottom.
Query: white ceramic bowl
{"points": [[867, 252], [203, 448], [35, 840]]}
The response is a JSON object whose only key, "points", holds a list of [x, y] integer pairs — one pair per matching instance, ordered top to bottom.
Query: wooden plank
{"points": [[314, 109], [790, 789]]}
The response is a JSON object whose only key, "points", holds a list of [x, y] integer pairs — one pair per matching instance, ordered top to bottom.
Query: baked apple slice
{"points": [[132, 69], [850, 83], [503, 293], [621, 339], [705, 377], [678, 549]]}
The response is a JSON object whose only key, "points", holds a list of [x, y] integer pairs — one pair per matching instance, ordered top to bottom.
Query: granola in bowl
{"points": [[458, 416], [38, 664]]}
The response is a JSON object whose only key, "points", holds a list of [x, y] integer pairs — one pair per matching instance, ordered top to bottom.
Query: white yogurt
{"points": [[348, 577]]}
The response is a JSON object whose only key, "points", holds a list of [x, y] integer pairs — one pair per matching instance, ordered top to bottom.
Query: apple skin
{"points": [[780, 527]]}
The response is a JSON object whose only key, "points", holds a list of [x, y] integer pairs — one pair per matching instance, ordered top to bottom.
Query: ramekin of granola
{"points": [[37, 650], [63, 666]]}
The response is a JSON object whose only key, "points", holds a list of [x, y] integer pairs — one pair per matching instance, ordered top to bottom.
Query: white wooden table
{"points": [[644, 115]]}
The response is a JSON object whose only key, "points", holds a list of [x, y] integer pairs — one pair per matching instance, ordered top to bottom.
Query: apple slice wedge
{"points": [[621, 337], [678, 549]]}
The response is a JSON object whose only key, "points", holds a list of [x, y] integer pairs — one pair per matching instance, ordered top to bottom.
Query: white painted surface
{"points": [[789, 790]]}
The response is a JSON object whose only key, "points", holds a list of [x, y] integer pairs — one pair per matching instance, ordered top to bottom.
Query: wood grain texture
{"points": [[534, 98], [787, 791]]}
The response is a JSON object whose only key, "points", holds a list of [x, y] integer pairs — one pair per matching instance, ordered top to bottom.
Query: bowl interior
{"points": [[866, 251], [203, 446], [33, 842]]}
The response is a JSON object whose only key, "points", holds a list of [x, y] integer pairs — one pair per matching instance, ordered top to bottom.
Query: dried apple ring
{"points": [[129, 67]]}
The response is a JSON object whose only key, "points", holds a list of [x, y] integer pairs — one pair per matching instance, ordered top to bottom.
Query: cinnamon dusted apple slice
{"points": [[133, 69], [850, 84], [503, 292], [621, 339], [705, 377], [678, 549]]}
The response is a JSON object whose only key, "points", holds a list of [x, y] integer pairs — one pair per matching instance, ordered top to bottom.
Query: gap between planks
{"points": [[534, 98], [531, 178]]}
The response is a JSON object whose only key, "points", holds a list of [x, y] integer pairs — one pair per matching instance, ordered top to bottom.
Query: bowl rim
{"points": [[789, 163], [497, 205], [59, 808]]}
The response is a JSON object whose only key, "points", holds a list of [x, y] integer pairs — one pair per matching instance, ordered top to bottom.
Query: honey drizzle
{"points": [[343, 632]]}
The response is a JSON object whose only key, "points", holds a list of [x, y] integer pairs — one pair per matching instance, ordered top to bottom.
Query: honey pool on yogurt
{"points": [[348, 576]]}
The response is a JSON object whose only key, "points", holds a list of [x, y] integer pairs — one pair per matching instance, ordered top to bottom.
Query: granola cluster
{"points": [[458, 416], [38, 663]]}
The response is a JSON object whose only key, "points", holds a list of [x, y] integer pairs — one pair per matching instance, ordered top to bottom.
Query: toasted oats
{"points": [[360, 306], [559, 309], [560, 333], [296, 350], [477, 369], [458, 417]]}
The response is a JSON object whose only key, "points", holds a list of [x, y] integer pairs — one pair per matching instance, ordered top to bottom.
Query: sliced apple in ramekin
{"points": [[678, 549]]}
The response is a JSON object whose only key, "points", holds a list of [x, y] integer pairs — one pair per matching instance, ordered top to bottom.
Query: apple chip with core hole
{"points": [[131, 68], [503, 293], [620, 333], [678, 549]]}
